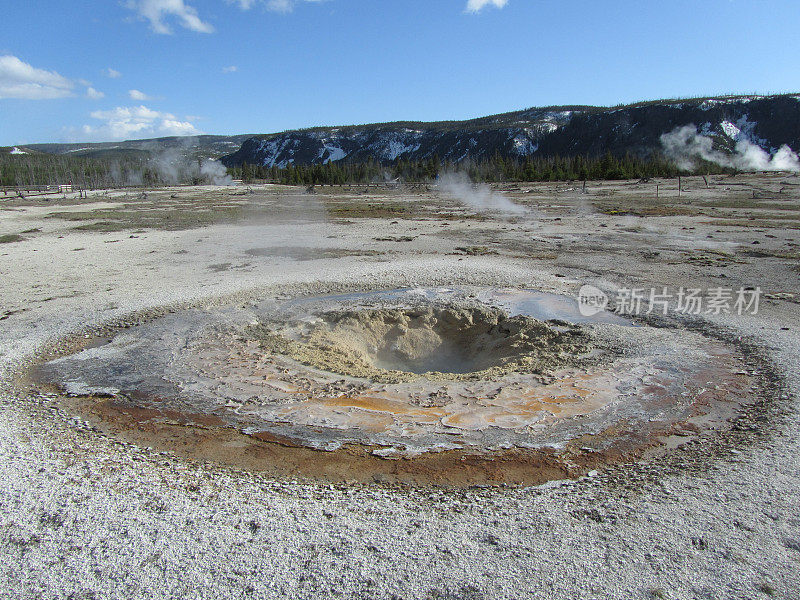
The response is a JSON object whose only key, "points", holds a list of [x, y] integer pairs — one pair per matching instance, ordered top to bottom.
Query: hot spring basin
{"points": [[414, 374]]}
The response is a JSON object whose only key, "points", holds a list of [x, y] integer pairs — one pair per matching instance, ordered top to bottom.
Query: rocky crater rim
{"points": [[433, 342]]}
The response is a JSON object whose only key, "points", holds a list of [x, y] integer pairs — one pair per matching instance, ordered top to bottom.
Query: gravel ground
{"points": [[85, 516]]}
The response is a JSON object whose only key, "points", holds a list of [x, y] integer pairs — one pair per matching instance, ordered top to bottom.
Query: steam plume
{"points": [[685, 145], [174, 167], [216, 172], [478, 197]]}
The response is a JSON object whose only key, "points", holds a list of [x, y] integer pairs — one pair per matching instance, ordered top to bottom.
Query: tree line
{"points": [[495, 169], [20, 170], [93, 173]]}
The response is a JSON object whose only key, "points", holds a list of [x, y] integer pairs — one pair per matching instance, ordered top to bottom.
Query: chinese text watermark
{"points": [[660, 300]]}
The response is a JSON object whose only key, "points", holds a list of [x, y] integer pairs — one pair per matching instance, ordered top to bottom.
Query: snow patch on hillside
{"points": [[714, 102], [731, 130], [742, 130], [524, 144], [395, 148], [334, 153]]}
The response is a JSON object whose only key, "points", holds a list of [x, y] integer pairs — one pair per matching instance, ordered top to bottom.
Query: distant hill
{"points": [[767, 121], [193, 147], [17, 150]]}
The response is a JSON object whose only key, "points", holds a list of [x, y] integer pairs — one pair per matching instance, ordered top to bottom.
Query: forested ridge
{"points": [[496, 169]]}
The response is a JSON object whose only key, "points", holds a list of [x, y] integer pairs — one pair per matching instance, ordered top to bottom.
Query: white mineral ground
{"points": [[84, 514]]}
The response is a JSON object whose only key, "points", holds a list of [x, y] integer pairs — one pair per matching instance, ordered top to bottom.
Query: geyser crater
{"points": [[434, 342], [474, 385]]}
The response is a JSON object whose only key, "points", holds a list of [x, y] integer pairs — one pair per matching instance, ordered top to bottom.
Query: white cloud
{"points": [[282, 6], [475, 6], [156, 11], [231, 69], [112, 73], [20, 80], [94, 94], [139, 96], [134, 122]]}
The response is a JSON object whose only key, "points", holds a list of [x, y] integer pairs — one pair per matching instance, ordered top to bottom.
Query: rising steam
{"points": [[685, 145], [174, 168], [478, 197]]}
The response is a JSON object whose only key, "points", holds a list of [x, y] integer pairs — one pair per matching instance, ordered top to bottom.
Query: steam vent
{"points": [[443, 386]]}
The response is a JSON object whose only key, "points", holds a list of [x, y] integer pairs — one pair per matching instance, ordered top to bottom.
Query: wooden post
{"points": [[680, 188], [656, 191]]}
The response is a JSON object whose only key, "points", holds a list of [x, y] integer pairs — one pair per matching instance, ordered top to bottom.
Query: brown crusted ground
{"points": [[199, 437], [207, 438]]}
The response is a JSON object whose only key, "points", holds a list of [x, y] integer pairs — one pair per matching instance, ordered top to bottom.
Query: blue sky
{"points": [[126, 69]]}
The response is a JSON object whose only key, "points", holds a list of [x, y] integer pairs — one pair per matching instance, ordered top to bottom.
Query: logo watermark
{"points": [[591, 300], [661, 300]]}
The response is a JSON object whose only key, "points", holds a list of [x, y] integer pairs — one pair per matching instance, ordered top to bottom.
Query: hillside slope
{"points": [[766, 121], [192, 147]]}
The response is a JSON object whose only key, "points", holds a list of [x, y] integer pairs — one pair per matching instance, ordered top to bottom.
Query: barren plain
{"points": [[664, 466]]}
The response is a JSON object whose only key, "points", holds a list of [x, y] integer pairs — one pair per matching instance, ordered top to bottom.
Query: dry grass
{"points": [[645, 209]]}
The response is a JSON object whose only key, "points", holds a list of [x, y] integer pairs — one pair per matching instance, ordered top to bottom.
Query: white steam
{"points": [[685, 145], [174, 167], [215, 172], [478, 197]]}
